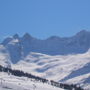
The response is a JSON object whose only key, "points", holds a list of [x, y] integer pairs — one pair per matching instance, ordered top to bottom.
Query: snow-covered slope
{"points": [[20, 47], [4, 57], [61, 59], [60, 68], [10, 82]]}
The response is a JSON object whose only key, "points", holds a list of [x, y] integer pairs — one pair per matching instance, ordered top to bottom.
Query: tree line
{"points": [[36, 78]]}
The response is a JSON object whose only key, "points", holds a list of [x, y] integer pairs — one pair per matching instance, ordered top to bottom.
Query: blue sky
{"points": [[44, 18]]}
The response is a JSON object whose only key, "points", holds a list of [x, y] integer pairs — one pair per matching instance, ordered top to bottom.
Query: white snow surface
{"points": [[4, 57], [70, 68], [10, 82]]}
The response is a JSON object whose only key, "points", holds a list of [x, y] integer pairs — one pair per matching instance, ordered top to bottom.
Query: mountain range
{"points": [[20, 47], [64, 60]]}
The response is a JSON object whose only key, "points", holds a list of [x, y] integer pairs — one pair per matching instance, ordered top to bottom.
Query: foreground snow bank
{"points": [[10, 82]]}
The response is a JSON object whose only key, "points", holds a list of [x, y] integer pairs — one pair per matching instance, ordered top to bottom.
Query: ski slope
{"points": [[70, 68], [10, 82]]}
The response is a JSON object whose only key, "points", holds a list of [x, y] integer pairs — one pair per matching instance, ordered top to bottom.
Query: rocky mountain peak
{"points": [[83, 32], [16, 36], [27, 36]]}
